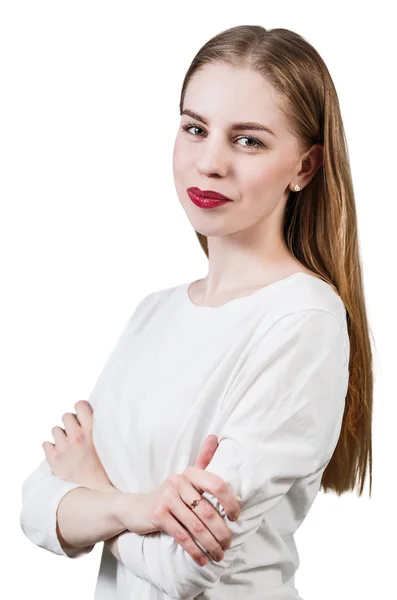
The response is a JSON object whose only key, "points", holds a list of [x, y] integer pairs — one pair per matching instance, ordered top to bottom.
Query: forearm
{"points": [[129, 510], [86, 516]]}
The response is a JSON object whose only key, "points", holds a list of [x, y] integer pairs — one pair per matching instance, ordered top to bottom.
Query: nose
{"points": [[212, 159]]}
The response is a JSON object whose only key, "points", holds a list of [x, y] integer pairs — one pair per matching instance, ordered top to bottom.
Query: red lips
{"points": [[210, 194]]}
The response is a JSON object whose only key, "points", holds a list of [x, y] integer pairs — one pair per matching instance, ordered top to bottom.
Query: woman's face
{"points": [[252, 167]]}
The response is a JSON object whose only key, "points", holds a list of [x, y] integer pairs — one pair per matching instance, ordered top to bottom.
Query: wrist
{"points": [[116, 504], [120, 507], [126, 507]]}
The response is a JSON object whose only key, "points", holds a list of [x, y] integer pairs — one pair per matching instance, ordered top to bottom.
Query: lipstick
{"points": [[206, 198]]}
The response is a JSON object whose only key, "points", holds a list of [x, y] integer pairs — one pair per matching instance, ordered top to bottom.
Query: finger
{"points": [[85, 414], [72, 425], [59, 436], [49, 450], [207, 451], [215, 485], [202, 521], [168, 523], [195, 528]]}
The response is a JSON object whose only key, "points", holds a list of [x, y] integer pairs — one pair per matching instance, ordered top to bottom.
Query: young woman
{"points": [[233, 395]]}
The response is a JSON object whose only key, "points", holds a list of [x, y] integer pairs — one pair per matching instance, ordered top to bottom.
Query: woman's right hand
{"points": [[166, 508]]}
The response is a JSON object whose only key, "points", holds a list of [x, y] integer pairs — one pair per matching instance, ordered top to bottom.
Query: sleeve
{"points": [[282, 418], [42, 491]]}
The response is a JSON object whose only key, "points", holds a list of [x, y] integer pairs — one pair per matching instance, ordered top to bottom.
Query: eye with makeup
{"points": [[258, 144]]}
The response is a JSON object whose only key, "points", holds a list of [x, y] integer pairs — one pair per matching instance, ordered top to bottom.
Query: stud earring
{"points": [[296, 188]]}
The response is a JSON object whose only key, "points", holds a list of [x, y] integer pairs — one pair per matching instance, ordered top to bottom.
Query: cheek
{"points": [[175, 157], [179, 157], [180, 172], [266, 175], [256, 177]]}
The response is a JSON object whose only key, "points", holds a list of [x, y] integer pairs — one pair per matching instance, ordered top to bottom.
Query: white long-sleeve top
{"points": [[268, 374]]}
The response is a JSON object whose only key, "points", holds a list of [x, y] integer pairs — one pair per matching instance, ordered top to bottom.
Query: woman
{"points": [[231, 395]]}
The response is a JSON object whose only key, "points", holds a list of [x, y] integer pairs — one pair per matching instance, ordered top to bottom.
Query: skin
{"points": [[246, 246], [73, 457]]}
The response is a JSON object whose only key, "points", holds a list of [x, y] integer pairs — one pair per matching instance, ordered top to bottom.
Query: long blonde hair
{"points": [[320, 223]]}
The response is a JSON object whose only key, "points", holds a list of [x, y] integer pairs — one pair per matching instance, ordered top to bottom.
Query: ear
{"points": [[310, 165]]}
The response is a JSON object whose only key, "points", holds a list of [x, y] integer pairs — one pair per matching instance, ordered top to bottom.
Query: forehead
{"points": [[225, 94]]}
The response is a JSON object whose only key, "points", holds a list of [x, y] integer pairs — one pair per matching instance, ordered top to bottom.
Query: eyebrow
{"points": [[234, 126]]}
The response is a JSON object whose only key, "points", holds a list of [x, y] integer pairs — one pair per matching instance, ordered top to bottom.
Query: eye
{"points": [[190, 126], [257, 143]]}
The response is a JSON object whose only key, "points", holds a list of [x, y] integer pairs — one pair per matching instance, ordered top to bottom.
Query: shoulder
{"points": [[160, 295], [309, 295], [157, 301], [309, 312]]}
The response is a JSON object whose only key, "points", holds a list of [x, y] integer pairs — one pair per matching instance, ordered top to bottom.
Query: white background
{"points": [[91, 222]]}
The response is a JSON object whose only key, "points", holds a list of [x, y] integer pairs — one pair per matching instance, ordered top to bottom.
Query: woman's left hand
{"points": [[73, 456]]}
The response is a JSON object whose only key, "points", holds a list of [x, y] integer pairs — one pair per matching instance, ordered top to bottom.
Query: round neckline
{"points": [[198, 307]]}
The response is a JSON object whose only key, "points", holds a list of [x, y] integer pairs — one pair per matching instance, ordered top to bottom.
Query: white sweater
{"points": [[267, 373]]}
